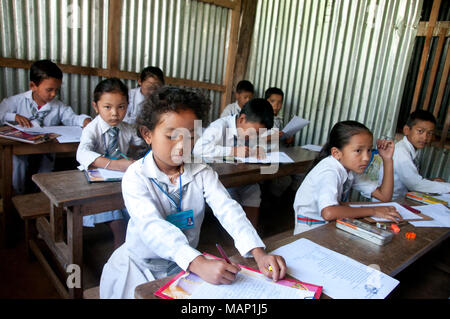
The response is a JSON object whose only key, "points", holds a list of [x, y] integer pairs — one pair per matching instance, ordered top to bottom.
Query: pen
{"points": [[122, 155], [222, 252]]}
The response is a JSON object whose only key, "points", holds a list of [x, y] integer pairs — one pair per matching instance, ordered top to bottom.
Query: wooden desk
{"points": [[8, 148], [70, 191], [392, 258]]}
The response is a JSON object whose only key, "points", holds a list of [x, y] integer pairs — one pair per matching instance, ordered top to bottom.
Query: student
{"points": [[150, 79], [244, 93], [275, 97], [38, 107], [418, 131], [228, 136], [104, 144], [162, 186], [322, 195]]}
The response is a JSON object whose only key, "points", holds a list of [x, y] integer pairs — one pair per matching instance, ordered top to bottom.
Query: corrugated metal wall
{"points": [[186, 39], [335, 60]]}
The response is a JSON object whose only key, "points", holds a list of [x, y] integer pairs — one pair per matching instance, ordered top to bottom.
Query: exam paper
{"points": [[295, 125], [312, 147], [273, 157], [110, 174], [405, 213], [439, 213], [340, 276], [250, 287]]}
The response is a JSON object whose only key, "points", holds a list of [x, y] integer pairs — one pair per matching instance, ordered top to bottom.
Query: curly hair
{"points": [[171, 99]]}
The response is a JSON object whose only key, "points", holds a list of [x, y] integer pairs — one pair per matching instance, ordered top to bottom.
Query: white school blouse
{"points": [[135, 98], [23, 104], [231, 109], [217, 139], [94, 140], [406, 174], [323, 186], [149, 235]]}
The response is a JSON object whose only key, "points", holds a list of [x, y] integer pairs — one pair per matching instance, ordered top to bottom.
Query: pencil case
{"points": [[368, 232]]}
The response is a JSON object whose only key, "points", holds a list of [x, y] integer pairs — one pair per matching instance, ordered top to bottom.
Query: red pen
{"points": [[415, 211], [222, 252]]}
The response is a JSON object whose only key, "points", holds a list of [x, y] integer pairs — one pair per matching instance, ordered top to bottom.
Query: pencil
{"points": [[222, 252]]}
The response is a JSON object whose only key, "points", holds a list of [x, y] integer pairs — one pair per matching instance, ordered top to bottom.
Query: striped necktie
{"points": [[39, 116], [113, 146], [345, 191], [175, 195]]}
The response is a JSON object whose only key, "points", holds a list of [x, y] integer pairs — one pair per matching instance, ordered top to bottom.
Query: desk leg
{"points": [[6, 192], [57, 223], [75, 243]]}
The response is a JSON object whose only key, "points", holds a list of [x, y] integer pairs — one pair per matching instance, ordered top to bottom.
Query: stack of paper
{"points": [[439, 213]]}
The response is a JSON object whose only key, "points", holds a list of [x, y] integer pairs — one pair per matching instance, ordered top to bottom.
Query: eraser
{"points": [[395, 228], [410, 235]]}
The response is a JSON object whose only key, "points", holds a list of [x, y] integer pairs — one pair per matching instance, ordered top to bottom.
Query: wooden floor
{"points": [[428, 278]]}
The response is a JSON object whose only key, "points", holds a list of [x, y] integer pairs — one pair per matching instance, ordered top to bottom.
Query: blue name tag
{"points": [[183, 220]]}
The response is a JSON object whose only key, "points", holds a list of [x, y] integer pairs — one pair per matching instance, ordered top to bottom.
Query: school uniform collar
{"points": [[29, 96], [232, 124], [104, 127], [410, 147], [150, 170], [343, 173]]}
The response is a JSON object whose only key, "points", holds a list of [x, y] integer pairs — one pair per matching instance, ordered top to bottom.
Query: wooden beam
{"points": [[222, 3], [248, 16], [114, 18], [423, 26], [425, 53], [231, 55], [434, 68], [442, 85], [446, 127]]}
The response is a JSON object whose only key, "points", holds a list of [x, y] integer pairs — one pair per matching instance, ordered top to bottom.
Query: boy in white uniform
{"points": [[150, 79], [244, 93], [38, 107], [418, 131], [228, 136], [165, 197]]}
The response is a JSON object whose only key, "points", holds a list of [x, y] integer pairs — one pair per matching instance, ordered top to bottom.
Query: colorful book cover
{"points": [[29, 137]]}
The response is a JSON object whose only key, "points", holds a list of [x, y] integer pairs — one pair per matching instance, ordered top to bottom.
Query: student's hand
{"points": [[23, 121], [86, 121], [289, 140], [385, 148], [241, 151], [258, 152], [121, 164], [438, 179], [388, 212], [275, 262], [214, 271]]}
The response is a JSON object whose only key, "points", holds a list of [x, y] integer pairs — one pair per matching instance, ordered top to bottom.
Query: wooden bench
{"points": [[30, 207]]}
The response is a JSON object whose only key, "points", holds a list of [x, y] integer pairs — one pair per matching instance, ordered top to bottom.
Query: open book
{"points": [[14, 134], [103, 175]]}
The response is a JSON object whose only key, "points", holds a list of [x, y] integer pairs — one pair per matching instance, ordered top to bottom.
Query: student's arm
{"points": [[69, 118], [210, 144], [112, 164], [386, 189], [342, 211]]}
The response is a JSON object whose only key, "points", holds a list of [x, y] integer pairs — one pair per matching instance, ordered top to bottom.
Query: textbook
{"points": [[14, 134], [103, 175], [424, 198], [249, 284]]}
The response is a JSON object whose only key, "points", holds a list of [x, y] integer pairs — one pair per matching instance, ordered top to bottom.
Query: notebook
{"points": [[103, 175]]}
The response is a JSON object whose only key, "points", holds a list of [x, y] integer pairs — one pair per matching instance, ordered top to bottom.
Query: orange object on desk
{"points": [[395, 228], [410, 235]]}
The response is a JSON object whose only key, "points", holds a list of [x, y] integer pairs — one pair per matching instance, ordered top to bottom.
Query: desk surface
{"points": [[392, 258]]}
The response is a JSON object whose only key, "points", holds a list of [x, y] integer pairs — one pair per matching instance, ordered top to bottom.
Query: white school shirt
{"points": [[135, 98], [23, 104], [231, 109], [218, 138], [94, 140], [406, 174], [323, 187], [150, 236]]}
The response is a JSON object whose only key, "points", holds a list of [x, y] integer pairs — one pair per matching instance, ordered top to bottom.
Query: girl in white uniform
{"points": [[150, 79], [105, 142], [323, 194], [165, 196]]}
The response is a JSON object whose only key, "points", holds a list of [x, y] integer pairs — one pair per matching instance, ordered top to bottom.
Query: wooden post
{"points": [[115, 11], [248, 16], [426, 47], [231, 55], [442, 85], [446, 127]]}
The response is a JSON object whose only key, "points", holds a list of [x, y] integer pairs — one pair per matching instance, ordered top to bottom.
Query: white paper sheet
{"points": [[295, 125], [69, 134], [312, 147], [273, 157], [110, 174], [405, 213], [439, 213], [340, 276], [249, 287]]}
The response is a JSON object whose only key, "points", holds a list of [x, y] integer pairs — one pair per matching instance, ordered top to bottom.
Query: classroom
{"points": [[312, 78]]}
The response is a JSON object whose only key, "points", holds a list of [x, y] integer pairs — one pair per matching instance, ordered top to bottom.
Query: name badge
{"points": [[183, 220]]}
